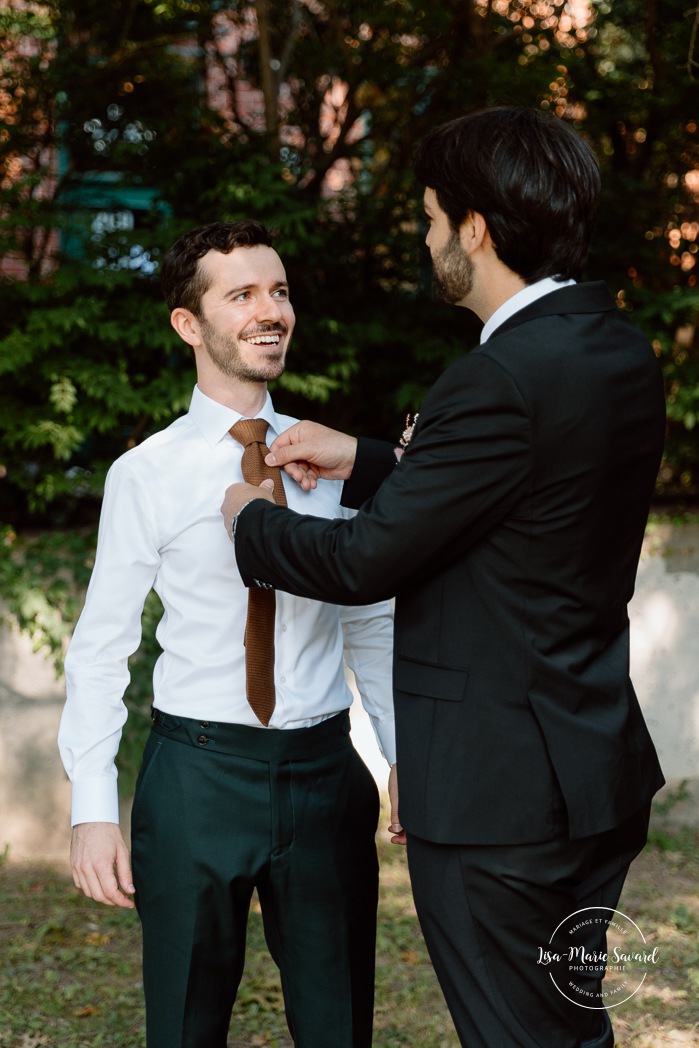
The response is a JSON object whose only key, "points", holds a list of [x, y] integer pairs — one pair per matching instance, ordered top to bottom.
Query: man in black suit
{"points": [[509, 533]]}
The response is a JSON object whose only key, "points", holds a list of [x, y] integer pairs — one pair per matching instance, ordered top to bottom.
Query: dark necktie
{"points": [[259, 630]]}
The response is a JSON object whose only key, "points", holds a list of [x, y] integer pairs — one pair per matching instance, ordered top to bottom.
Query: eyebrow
{"points": [[249, 287]]}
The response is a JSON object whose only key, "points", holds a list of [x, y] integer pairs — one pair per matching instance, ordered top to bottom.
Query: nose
{"points": [[269, 309]]}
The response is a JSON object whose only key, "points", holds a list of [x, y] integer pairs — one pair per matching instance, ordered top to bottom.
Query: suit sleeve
{"points": [[376, 460], [467, 465]]}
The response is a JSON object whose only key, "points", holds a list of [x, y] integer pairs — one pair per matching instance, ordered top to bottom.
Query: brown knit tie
{"points": [[259, 630]]}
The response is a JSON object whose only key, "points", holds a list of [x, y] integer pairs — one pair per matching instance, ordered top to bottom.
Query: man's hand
{"points": [[309, 451], [237, 495], [395, 826], [97, 850]]}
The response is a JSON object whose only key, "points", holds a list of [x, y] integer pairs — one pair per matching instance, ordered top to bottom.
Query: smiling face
{"points": [[246, 319]]}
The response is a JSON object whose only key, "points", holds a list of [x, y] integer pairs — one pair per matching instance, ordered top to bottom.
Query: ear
{"points": [[473, 232], [186, 325]]}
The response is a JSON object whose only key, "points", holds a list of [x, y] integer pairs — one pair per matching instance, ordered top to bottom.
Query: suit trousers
{"points": [[221, 810], [485, 910]]}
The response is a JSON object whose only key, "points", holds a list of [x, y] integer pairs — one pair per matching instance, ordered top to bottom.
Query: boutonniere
{"points": [[408, 431]]}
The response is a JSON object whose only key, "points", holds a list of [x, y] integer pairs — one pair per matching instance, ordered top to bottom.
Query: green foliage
{"points": [[640, 112], [105, 116], [669, 318], [88, 361], [81, 382], [43, 578], [42, 582], [139, 698], [671, 798], [674, 838]]}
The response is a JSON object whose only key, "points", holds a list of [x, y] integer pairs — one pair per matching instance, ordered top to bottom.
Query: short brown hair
{"points": [[182, 279]]}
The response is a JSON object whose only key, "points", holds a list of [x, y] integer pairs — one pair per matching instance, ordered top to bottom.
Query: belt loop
{"points": [[165, 720]]}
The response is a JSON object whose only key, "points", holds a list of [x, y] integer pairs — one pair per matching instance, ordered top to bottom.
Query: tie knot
{"points": [[250, 431]]}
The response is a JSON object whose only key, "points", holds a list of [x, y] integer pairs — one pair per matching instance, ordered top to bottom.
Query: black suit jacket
{"points": [[510, 534]]}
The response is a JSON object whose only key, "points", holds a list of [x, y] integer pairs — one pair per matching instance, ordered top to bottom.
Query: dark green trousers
{"points": [[221, 810]]}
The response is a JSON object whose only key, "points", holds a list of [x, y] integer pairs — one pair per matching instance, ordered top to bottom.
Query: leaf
{"points": [[63, 394], [97, 939], [87, 1011]]}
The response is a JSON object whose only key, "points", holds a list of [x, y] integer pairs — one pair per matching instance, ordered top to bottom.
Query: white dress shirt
{"points": [[522, 298], [161, 528]]}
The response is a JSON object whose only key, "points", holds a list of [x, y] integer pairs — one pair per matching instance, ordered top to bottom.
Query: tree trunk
{"points": [[268, 81]]}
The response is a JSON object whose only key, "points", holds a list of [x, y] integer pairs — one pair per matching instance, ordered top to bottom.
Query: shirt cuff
{"points": [[385, 732], [95, 800]]}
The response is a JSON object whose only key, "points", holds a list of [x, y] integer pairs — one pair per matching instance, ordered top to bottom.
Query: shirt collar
{"points": [[518, 301], [214, 419]]}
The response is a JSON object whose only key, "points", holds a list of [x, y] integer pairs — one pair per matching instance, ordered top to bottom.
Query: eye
{"points": [[282, 293], [242, 297]]}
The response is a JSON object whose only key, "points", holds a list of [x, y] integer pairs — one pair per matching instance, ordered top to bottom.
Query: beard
{"points": [[452, 272], [225, 353]]}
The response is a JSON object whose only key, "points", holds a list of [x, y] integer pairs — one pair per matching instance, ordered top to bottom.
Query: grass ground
{"points": [[70, 970]]}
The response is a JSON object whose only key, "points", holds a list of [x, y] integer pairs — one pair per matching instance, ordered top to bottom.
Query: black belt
{"points": [[257, 743]]}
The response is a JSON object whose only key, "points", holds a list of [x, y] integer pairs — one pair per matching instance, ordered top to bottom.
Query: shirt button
{"points": [[284, 627], [282, 680], [204, 724], [202, 740]]}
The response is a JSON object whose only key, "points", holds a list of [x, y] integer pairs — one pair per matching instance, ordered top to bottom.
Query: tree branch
{"points": [[289, 43], [692, 63], [268, 79]]}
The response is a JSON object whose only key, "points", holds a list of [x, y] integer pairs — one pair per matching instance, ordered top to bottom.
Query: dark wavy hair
{"points": [[532, 177], [181, 277]]}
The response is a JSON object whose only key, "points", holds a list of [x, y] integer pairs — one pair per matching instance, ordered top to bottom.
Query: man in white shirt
{"points": [[225, 802]]}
